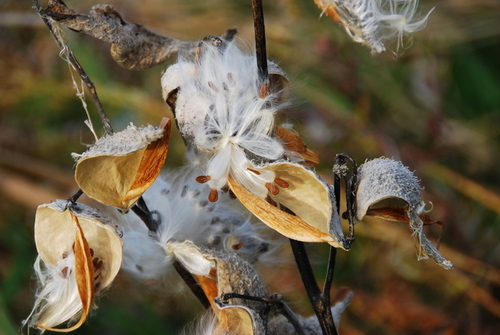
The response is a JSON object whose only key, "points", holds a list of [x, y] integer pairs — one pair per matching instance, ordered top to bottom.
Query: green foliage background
{"points": [[436, 107]]}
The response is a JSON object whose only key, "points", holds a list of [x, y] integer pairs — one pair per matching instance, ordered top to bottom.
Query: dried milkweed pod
{"points": [[225, 115], [118, 168], [384, 178], [303, 193], [80, 253], [232, 274], [240, 301]]}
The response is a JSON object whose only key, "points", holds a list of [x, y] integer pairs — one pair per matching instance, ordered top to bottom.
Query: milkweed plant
{"points": [[246, 176]]}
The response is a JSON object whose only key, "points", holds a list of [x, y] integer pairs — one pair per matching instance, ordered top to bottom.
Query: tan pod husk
{"points": [[119, 168], [307, 196], [63, 228]]}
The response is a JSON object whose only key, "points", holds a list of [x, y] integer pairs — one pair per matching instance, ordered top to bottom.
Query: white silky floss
{"points": [[374, 22], [223, 118], [188, 224], [57, 299]]}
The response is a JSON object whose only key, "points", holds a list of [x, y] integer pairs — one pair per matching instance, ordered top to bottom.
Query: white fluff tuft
{"points": [[375, 22], [222, 115], [185, 214], [190, 257], [57, 299], [207, 324]]}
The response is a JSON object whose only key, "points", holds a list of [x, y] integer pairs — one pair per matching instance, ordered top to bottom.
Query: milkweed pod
{"points": [[226, 65], [119, 168], [384, 178], [306, 195], [81, 253], [232, 274]]}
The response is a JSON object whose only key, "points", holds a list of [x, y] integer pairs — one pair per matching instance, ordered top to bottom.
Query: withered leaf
{"points": [[295, 144]]}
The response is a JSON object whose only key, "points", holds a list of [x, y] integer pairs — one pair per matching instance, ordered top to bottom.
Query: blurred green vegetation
{"points": [[435, 106]]}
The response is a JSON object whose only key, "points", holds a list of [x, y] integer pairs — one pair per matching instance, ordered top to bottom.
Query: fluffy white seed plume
{"points": [[375, 22], [225, 115], [186, 218], [58, 299], [206, 324]]}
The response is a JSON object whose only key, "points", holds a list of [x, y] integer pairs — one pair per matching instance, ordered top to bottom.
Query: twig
{"points": [[132, 46], [76, 65], [75, 196], [151, 219], [192, 284], [327, 286], [275, 300], [322, 310]]}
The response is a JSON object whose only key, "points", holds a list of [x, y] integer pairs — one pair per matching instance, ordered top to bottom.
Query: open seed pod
{"points": [[219, 73], [119, 168], [384, 178], [307, 196], [81, 253], [232, 274], [240, 300]]}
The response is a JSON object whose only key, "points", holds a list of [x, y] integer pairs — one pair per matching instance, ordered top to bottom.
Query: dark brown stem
{"points": [[260, 40], [75, 196], [151, 219], [192, 284], [327, 286], [322, 310]]}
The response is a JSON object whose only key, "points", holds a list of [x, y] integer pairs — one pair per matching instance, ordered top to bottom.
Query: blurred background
{"points": [[435, 106]]}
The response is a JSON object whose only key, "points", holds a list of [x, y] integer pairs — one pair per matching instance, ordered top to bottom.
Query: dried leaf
{"points": [[132, 45], [293, 143], [119, 168]]}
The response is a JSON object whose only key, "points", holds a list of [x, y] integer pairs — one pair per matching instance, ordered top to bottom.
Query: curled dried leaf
{"points": [[132, 45], [295, 145], [119, 168], [384, 178]]}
